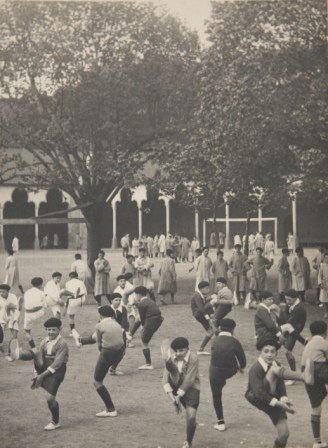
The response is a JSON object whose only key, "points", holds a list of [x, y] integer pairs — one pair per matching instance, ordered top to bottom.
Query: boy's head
{"points": [[237, 248], [205, 250], [259, 250], [142, 251], [285, 251], [299, 251], [10, 252], [169, 252], [198, 252], [101, 254], [219, 255], [78, 257], [325, 258], [129, 259], [73, 274], [57, 276], [128, 276], [121, 280], [37, 282], [221, 282], [204, 287], [4, 290], [140, 292], [291, 296], [266, 298], [115, 299], [105, 311], [227, 325], [53, 326], [318, 327], [180, 346], [268, 348]]}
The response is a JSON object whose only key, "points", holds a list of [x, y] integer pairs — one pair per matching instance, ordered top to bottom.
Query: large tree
{"points": [[88, 89], [262, 105]]}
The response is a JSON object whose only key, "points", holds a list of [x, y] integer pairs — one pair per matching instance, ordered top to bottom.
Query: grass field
{"points": [[146, 417]]}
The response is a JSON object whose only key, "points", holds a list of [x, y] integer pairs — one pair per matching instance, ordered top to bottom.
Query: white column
{"points": [[166, 200], [294, 215], [260, 218], [140, 222], [196, 223], [36, 226], [204, 232], [114, 239], [227, 242]]}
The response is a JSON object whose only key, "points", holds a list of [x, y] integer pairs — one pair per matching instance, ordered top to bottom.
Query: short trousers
{"points": [[74, 305], [31, 317], [205, 323], [150, 327], [290, 342], [106, 359], [52, 382], [318, 392], [191, 398], [274, 412]]}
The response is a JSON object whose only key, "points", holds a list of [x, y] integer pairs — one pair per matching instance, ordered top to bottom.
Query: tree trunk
{"points": [[93, 217], [248, 220]]}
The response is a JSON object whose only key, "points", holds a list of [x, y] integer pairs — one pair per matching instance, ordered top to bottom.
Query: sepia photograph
{"points": [[164, 224]]}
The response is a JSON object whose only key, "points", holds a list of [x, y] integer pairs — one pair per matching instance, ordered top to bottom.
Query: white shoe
{"points": [[129, 337], [77, 338], [130, 345], [15, 350], [166, 350], [203, 352], [9, 358], [146, 367], [116, 373], [290, 383], [107, 414], [51, 426], [220, 427], [186, 445], [320, 445]]}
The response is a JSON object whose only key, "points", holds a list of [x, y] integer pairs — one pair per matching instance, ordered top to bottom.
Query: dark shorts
{"points": [[220, 312], [205, 323], [150, 327], [289, 342], [107, 358], [52, 382], [318, 392], [191, 398], [274, 412]]}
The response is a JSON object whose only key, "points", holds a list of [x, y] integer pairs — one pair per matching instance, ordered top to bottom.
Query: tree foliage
{"points": [[88, 89]]}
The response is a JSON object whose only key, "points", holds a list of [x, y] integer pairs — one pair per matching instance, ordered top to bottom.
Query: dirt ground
{"points": [[146, 416]]}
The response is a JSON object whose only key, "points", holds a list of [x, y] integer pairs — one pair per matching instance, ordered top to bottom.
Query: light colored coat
{"points": [[102, 268], [300, 268], [284, 275]]}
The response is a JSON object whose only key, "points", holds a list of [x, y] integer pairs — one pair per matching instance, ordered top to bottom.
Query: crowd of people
{"points": [[220, 284]]}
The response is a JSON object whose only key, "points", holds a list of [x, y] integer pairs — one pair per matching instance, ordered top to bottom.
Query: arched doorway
{"points": [[53, 235]]}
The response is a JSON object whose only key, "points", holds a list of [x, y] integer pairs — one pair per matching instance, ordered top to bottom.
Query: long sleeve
{"points": [[240, 355], [60, 356], [190, 376], [256, 384]]}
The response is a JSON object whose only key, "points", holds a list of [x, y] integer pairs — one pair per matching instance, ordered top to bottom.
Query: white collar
{"points": [[264, 306], [293, 306], [225, 333], [54, 341], [185, 359], [264, 364]]}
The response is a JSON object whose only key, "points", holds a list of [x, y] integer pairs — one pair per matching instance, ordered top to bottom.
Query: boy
{"points": [[258, 265], [128, 266], [220, 266], [238, 271], [301, 272], [284, 274], [124, 288], [78, 292], [53, 294], [222, 301], [34, 303], [10, 308], [201, 311], [151, 319], [265, 326], [110, 339], [316, 350], [228, 357], [50, 364], [181, 382], [266, 389]]}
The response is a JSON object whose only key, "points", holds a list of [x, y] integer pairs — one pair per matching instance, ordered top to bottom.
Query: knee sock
{"points": [[98, 300], [72, 326], [135, 327], [1, 334], [204, 342], [31, 343], [146, 353], [291, 361], [106, 398], [54, 409], [315, 423], [191, 428], [279, 444]]}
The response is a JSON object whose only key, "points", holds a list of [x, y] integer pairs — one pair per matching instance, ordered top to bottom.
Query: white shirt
{"points": [[74, 284], [52, 292], [124, 292], [34, 297]]}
